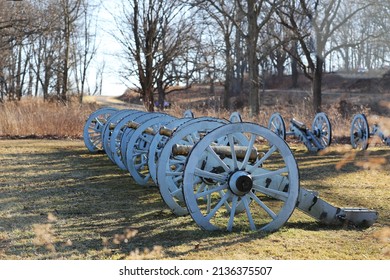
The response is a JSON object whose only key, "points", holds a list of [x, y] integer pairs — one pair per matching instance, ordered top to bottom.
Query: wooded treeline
{"points": [[46, 46]]}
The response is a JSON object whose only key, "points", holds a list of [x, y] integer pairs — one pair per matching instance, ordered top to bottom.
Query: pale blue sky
{"points": [[108, 50]]}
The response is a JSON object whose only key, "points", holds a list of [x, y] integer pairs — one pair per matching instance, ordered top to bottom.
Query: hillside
{"points": [[347, 94]]}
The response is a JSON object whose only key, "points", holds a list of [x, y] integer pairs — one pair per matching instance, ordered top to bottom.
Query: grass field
{"points": [[58, 201]]}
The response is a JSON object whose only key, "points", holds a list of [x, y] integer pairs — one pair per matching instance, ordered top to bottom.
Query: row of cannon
{"points": [[319, 136], [226, 174]]}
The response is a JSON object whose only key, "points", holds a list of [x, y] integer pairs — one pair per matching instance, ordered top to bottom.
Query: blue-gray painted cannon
{"points": [[360, 132], [316, 138], [226, 174]]}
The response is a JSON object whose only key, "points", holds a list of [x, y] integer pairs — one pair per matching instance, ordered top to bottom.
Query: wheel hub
{"points": [[317, 132], [359, 134], [240, 183]]}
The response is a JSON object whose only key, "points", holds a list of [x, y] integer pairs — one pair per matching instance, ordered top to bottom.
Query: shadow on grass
{"points": [[94, 206]]}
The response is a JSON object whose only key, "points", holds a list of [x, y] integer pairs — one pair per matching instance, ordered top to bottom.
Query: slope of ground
{"points": [[346, 93], [111, 101]]}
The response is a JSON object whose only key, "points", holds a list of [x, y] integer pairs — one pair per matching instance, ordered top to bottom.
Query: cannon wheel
{"points": [[188, 114], [235, 117], [277, 125], [108, 129], [322, 129], [92, 132], [129, 132], [360, 132], [116, 138], [113, 142], [158, 144], [139, 145], [170, 167], [268, 187]]}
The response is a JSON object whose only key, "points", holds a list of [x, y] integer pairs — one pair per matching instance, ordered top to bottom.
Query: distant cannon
{"points": [[360, 132], [315, 139]]}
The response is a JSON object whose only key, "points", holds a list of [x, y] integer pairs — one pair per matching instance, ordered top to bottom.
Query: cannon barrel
{"points": [[224, 151]]}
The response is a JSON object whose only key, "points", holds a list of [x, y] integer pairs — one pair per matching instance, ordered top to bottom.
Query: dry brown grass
{"points": [[340, 107], [301, 111], [32, 117], [35, 118]]}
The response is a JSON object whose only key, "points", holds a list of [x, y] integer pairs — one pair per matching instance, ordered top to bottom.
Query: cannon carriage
{"points": [[361, 133], [316, 138], [226, 174]]}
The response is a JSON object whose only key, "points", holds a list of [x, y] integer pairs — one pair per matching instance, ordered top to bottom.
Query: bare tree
{"points": [[71, 11], [255, 14], [215, 20], [312, 24], [14, 29], [153, 33], [364, 40], [277, 43], [40, 47], [85, 48]]}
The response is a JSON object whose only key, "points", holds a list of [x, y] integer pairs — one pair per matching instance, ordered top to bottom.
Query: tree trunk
{"points": [[346, 60], [66, 62], [252, 63], [294, 65], [280, 69], [294, 74], [228, 75], [30, 79], [46, 82], [316, 86], [18, 88], [227, 88], [161, 94], [81, 95], [148, 100]]}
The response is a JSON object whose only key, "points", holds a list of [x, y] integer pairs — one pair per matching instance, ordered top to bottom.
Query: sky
{"points": [[108, 50]]}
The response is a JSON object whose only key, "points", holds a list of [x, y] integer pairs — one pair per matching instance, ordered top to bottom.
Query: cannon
{"points": [[92, 132], [360, 132], [315, 139], [226, 174], [267, 188]]}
